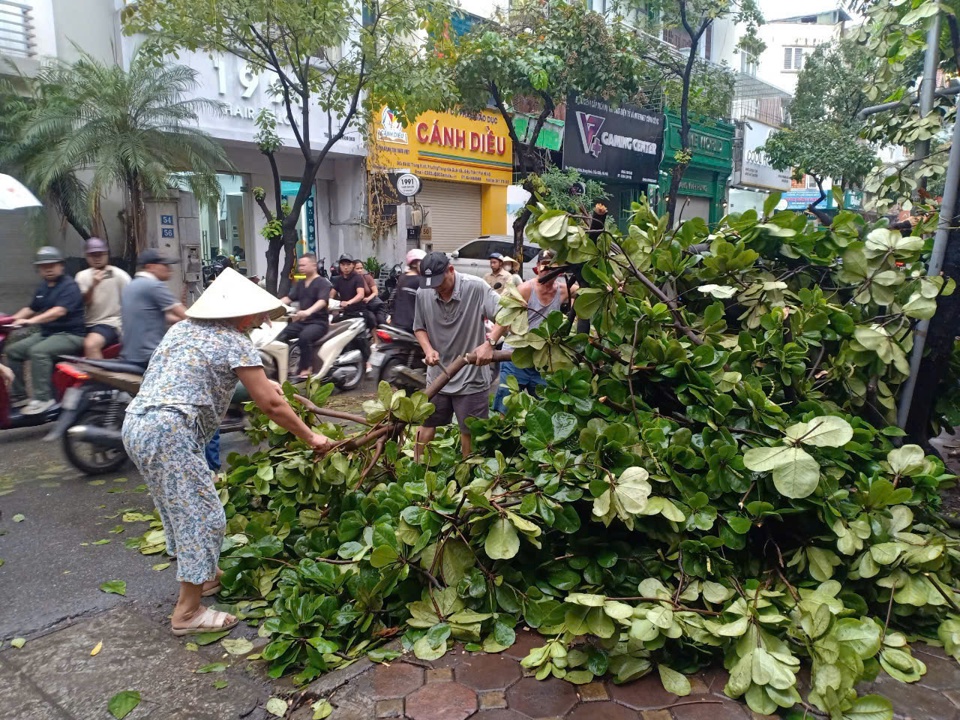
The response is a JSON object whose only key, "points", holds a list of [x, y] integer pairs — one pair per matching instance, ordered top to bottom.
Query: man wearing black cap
{"points": [[148, 307], [57, 308], [449, 322]]}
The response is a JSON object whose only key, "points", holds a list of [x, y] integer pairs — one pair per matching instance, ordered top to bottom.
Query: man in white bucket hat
{"points": [[182, 400]]}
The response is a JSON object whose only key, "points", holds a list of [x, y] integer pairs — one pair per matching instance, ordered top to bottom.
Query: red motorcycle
{"points": [[11, 417]]}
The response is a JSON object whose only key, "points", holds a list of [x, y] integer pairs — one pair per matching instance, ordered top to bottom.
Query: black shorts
{"points": [[107, 332], [464, 406]]}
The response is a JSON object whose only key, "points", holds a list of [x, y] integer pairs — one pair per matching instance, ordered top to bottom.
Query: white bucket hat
{"points": [[232, 295]]}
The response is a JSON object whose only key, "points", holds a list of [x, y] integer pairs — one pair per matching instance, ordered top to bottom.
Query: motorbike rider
{"points": [[498, 278], [102, 286], [351, 290], [372, 300], [405, 301], [148, 307], [57, 308], [312, 320]]}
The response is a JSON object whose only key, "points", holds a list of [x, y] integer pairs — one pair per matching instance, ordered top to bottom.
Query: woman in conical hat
{"points": [[184, 395]]}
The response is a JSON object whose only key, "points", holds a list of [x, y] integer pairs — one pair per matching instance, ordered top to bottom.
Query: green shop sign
{"points": [[551, 134], [712, 145], [693, 187]]}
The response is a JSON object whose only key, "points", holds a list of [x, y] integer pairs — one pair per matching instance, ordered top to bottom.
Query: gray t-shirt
{"points": [[144, 303], [456, 328]]}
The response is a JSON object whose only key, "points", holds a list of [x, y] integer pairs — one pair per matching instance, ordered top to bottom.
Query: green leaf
{"points": [[829, 431], [906, 460], [795, 473], [18, 518], [502, 541], [116, 587], [210, 637], [18, 642], [239, 646], [214, 667], [674, 682], [220, 684], [123, 703], [277, 707], [870, 707], [322, 709]]}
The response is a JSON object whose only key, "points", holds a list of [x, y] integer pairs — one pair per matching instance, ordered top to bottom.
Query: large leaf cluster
{"points": [[699, 483]]}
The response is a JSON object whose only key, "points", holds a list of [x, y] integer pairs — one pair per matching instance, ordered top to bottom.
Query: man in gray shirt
{"points": [[148, 307], [449, 322]]}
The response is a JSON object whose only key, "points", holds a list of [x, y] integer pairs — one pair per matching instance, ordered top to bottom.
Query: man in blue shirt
{"points": [[57, 309]]}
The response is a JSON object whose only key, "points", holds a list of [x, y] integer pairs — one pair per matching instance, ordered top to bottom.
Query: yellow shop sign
{"points": [[458, 147]]}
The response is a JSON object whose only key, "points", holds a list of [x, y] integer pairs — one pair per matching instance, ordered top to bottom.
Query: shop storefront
{"points": [[620, 147], [464, 162], [753, 177], [703, 190], [331, 220]]}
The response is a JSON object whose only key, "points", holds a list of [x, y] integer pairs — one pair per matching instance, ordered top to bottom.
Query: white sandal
{"points": [[207, 621]]}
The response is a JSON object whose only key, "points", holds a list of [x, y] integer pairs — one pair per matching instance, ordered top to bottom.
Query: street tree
{"points": [[896, 33], [338, 59], [531, 60], [693, 87], [79, 130], [823, 137], [708, 479]]}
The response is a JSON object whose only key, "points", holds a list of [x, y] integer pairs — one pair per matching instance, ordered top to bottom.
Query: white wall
{"points": [[483, 8], [778, 36]]}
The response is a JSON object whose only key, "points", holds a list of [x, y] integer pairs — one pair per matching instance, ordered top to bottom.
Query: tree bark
{"points": [[289, 239], [273, 264], [939, 348]]}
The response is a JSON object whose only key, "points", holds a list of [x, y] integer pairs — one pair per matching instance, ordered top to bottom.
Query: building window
{"points": [[793, 58], [748, 63]]}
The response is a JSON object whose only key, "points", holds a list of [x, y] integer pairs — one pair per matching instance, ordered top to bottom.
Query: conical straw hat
{"points": [[232, 295]]}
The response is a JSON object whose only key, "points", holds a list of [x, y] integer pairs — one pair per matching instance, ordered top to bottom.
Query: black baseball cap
{"points": [[152, 256], [346, 258], [432, 269]]}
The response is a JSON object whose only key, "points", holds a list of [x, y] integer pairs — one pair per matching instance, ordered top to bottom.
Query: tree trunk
{"points": [[675, 179], [290, 239], [273, 264], [939, 348]]}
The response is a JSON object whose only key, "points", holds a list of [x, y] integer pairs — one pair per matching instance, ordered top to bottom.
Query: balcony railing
{"points": [[17, 30]]}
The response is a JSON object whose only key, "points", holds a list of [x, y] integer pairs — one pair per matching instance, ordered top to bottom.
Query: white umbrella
{"points": [[14, 195]]}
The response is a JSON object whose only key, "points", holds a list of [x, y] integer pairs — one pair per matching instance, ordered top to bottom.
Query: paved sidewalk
{"points": [[493, 687]]}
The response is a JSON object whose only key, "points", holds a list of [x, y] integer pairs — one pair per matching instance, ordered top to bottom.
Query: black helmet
{"points": [[48, 255]]}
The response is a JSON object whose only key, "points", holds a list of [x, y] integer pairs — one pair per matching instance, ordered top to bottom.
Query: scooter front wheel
{"points": [[88, 457]]}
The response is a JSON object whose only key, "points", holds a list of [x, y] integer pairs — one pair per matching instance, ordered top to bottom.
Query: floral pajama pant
{"points": [[164, 445]]}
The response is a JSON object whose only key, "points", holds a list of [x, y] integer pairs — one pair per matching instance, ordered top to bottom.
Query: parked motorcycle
{"points": [[339, 353], [399, 359], [11, 417], [89, 427]]}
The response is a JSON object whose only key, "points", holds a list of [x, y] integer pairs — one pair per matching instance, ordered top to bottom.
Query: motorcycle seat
{"points": [[335, 329], [399, 332], [118, 366]]}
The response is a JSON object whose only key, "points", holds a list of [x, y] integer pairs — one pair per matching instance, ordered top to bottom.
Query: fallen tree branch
{"points": [[336, 414]]}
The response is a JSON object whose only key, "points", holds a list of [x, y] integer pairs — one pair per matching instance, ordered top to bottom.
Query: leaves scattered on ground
{"points": [[116, 587], [123, 703]]}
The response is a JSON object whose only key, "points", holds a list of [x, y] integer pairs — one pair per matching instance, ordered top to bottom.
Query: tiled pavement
{"points": [[493, 687]]}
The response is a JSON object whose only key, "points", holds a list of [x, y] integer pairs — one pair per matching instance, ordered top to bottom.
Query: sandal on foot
{"points": [[212, 591], [207, 621]]}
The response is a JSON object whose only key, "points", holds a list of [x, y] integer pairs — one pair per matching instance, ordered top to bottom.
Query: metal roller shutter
{"points": [[689, 207], [453, 213], [17, 276]]}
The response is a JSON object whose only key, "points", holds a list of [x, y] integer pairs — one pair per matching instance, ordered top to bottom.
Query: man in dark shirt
{"points": [[351, 290], [405, 300], [57, 309], [312, 320]]}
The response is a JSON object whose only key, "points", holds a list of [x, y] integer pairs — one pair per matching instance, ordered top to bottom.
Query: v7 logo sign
{"points": [[589, 126]]}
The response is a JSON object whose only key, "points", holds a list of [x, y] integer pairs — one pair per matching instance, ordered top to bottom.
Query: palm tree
{"points": [[131, 130]]}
